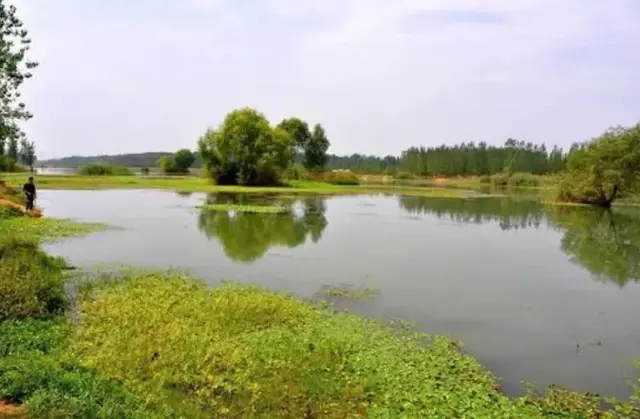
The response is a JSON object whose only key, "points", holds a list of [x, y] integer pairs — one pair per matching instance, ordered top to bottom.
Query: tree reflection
{"points": [[507, 213], [246, 237], [606, 242]]}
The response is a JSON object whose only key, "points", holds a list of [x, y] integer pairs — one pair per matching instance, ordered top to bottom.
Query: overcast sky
{"points": [[123, 76]]}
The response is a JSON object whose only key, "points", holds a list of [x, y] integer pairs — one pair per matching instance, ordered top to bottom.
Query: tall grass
{"points": [[31, 284]]}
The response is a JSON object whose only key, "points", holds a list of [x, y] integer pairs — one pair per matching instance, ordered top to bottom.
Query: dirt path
{"points": [[11, 411]]}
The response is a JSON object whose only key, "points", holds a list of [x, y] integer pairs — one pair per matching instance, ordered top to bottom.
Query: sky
{"points": [[123, 76]]}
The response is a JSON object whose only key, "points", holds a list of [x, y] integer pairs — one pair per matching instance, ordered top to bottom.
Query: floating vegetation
{"points": [[263, 209], [46, 229], [348, 292]]}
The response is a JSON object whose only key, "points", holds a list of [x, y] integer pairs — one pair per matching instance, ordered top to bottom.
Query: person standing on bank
{"points": [[29, 189]]}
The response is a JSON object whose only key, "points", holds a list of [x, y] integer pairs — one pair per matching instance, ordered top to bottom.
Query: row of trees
{"points": [[15, 68], [247, 150], [14, 152], [468, 159]]}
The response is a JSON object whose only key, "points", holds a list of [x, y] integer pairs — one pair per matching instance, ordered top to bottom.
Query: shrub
{"points": [[101, 169], [296, 171], [405, 176], [341, 178], [485, 179], [513, 180], [519, 180], [31, 282]]}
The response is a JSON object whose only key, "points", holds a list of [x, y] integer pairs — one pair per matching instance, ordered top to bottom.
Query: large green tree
{"points": [[15, 68], [299, 131], [246, 150], [27, 153], [315, 153], [601, 170]]}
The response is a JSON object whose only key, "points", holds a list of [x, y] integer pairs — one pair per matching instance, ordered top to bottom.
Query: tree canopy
{"points": [[15, 68], [312, 147], [246, 150], [315, 153], [481, 159], [180, 162], [601, 170]]}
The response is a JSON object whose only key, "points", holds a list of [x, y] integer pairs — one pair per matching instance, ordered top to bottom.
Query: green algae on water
{"points": [[47, 229]]}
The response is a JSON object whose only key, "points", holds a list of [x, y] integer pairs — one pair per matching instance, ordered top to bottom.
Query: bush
{"points": [[100, 169], [296, 172], [405, 176], [341, 178], [485, 179], [514, 180], [519, 180], [31, 282]]}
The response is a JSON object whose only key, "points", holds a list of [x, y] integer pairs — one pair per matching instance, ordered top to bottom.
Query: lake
{"points": [[540, 295]]}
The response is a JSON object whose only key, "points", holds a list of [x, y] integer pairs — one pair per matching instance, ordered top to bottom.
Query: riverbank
{"points": [[198, 184], [161, 344]]}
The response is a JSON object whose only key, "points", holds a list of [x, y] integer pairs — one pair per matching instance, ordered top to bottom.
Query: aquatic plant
{"points": [[46, 229], [349, 292], [238, 351]]}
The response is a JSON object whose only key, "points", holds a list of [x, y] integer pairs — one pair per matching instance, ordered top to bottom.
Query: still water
{"points": [[541, 295]]}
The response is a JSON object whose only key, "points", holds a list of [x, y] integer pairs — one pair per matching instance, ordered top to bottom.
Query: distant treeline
{"points": [[463, 159], [481, 159], [133, 160]]}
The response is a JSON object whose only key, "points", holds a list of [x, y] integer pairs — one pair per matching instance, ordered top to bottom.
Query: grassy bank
{"points": [[197, 184], [163, 345]]}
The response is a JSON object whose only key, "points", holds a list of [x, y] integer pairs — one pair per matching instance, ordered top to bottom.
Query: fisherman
{"points": [[29, 190]]}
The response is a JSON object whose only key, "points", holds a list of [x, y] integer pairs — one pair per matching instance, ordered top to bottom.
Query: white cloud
{"points": [[155, 75]]}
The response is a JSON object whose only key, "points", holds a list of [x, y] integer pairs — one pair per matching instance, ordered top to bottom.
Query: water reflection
{"points": [[508, 213], [246, 237], [605, 242]]}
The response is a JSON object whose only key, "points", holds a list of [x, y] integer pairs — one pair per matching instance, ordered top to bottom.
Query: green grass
{"points": [[198, 184], [264, 209]]}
